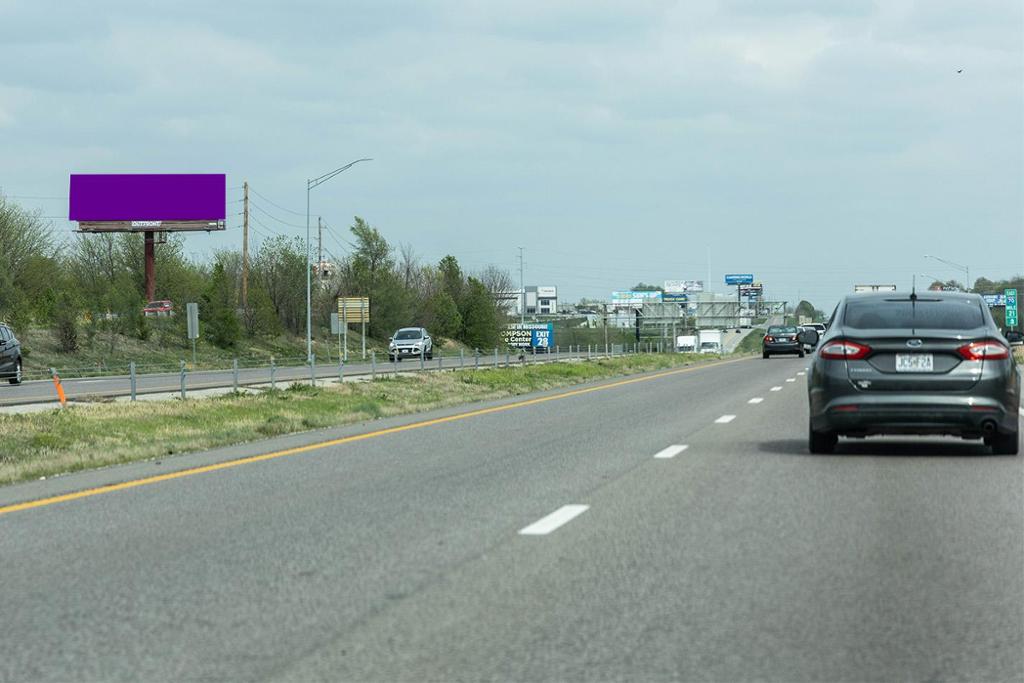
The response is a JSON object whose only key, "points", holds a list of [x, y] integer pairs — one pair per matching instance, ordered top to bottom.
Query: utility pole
{"points": [[245, 245], [320, 248], [522, 290]]}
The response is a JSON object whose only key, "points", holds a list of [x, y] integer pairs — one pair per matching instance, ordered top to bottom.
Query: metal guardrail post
{"points": [[589, 352], [422, 355], [495, 356], [462, 358], [476, 358], [508, 358], [440, 361], [373, 365], [273, 369], [182, 370], [341, 370], [131, 371], [312, 371], [234, 373]]}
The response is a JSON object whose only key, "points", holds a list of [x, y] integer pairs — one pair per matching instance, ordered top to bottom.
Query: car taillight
{"points": [[769, 339], [842, 349], [986, 349]]}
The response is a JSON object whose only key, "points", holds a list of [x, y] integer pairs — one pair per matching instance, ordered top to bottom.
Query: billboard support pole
{"points": [[150, 259]]}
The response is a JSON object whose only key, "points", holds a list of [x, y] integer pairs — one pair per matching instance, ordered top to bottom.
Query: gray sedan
{"points": [[934, 363]]}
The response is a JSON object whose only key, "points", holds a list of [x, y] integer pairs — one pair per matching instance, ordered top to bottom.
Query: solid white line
{"points": [[790, 380], [776, 388], [756, 399], [1020, 410], [725, 419], [671, 451], [545, 525]]}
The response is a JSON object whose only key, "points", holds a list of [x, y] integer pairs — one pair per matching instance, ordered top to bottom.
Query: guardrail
{"points": [[139, 378]]}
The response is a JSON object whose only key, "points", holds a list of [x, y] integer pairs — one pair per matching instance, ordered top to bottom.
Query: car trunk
{"points": [[914, 360]]}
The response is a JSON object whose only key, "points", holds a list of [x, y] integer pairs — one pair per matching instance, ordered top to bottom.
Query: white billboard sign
{"points": [[683, 286]]}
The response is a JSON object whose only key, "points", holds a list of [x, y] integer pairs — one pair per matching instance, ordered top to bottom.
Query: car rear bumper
{"points": [[794, 347], [956, 415]]}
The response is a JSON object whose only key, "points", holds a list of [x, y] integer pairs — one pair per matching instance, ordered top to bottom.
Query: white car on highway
{"points": [[410, 342]]}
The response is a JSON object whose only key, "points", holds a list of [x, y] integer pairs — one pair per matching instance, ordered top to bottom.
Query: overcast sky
{"points": [[814, 144]]}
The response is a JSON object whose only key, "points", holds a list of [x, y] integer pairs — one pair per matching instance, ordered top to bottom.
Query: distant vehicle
{"points": [[162, 307], [817, 327], [1015, 337], [781, 339], [710, 341], [410, 342], [686, 343], [710, 347], [10, 355], [933, 363]]}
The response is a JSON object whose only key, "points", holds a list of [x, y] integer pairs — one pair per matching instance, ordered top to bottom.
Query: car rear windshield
{"points": [[924, 314], [781, 330], [408, 334]]}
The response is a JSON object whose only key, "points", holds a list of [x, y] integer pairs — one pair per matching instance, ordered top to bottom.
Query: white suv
{"points": [[410, 342]]}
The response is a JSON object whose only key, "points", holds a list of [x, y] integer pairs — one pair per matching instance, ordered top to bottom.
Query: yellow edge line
{"points": [[110, 488]]}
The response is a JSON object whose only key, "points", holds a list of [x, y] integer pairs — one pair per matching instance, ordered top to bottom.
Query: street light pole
{"points": [[310, 184], [965, 269]]}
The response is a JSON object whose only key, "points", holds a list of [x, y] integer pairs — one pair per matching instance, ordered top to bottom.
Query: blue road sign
{"points": [[739, 279]]}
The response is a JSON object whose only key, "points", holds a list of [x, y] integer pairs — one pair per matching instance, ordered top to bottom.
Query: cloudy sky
{"points": [[814, 144]]}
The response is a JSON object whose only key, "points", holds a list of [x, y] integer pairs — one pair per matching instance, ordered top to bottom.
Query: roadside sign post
{"points": [[1011, 307], [353, 309], [192, 311], [336, 329], [273, 368]]}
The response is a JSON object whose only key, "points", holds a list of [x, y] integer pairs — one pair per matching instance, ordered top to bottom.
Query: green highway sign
{"points": [[1011, 307]]}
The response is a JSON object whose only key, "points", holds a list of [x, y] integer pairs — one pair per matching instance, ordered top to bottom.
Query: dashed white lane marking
{"points": [[800, 373], [791, 379], [776, 388], [756, 399], [1020, 410], [725, 419], [671, 451], [545, 525]]}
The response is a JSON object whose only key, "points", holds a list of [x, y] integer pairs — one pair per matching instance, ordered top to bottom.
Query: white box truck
{"points": [[710, 341], [686, 343]]}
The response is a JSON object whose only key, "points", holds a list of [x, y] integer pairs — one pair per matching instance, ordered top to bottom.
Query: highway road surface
{"points": [[668, 528]]}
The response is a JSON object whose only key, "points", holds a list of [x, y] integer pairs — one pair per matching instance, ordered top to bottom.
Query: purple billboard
{"points": [[147, 197]]}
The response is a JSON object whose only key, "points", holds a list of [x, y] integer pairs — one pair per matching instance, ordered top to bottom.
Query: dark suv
{"points": [[10, 355], [933, 363]]}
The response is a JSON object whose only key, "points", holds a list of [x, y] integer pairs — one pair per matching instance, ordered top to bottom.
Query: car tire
{"points": [[765, 354], [800, 354], [430, 356], [16, 379], [821, 442], [1005, 444]]}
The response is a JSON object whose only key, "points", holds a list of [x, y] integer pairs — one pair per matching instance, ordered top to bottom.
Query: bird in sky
{"points": [[959, 71]]}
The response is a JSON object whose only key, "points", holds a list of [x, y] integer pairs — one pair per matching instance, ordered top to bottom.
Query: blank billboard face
{"points": [[147, 197]]}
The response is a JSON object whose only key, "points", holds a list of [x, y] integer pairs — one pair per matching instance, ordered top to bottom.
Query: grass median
{"points": [[84, 437]]}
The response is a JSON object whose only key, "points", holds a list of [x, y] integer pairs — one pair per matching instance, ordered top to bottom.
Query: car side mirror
{"points": [[809, 337], [391, 339]]}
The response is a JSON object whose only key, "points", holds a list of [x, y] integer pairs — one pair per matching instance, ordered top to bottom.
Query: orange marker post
{"points": [[60, 389]]}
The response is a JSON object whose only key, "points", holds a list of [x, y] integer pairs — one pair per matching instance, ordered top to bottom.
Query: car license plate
{"points": [[914, 362]]}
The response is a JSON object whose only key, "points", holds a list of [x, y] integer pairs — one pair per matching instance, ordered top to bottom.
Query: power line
{"points": [[272, 202], [272, 216]]}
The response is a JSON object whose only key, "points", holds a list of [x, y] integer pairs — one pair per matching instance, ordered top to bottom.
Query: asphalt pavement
{"points": [[668, 528]]}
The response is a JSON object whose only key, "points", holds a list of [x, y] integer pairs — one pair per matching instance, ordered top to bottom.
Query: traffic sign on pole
{"points": [[1011, 307]]}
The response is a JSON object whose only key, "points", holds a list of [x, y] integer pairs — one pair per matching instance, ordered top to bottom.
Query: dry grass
{"points": [[84, 437]]}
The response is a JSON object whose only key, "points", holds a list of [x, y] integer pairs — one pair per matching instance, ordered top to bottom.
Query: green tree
{"points": [[452, 279], [644, 287], [447, 321], [480, 324], [222, 326]]}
